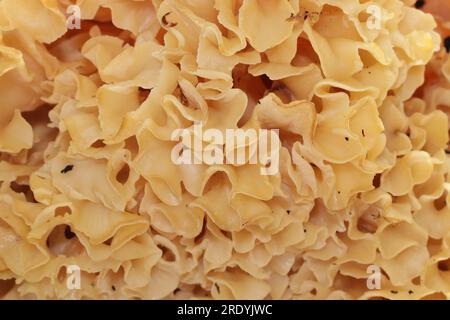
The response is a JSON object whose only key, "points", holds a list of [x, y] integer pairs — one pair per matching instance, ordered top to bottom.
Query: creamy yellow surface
{"points": [[86, 177]]}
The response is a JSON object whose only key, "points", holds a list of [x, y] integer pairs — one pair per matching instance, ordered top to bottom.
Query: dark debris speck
{"points": [[419, 4], [447, 44], [67, 169], [68, 233]]}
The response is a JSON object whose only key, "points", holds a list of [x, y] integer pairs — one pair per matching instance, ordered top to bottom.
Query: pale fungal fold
{"points": [[360, 96]]}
